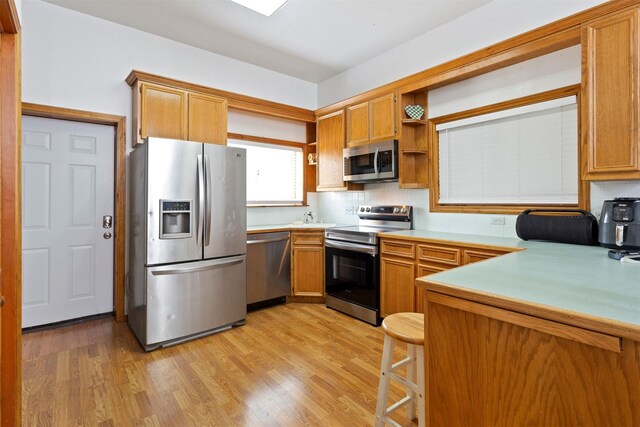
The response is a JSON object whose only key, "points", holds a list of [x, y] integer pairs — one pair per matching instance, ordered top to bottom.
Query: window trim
{"points": [[284, 143], [434, 164]]}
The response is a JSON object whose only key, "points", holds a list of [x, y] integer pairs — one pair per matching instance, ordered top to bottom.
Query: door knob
{"points": [[107, 221], [107, 235]]}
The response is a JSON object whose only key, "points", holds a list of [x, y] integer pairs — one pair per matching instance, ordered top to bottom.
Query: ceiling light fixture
{"points": [[263, 7]]}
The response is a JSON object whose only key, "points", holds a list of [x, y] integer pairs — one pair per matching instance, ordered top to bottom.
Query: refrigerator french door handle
{"points": [[201, 201], [207, 228], [202, 266]]}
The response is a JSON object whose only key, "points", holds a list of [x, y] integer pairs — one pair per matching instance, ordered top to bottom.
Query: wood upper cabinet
{"points": [[610, 97], [162, 111], [167, 112], [207, 119], [371, 121], [358, 123], [330, 144], [307, 264]]}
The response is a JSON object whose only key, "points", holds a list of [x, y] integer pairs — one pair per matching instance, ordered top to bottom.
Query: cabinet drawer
{"points": [[312, 238], [399, 249], [440, 254], [471, 256]]}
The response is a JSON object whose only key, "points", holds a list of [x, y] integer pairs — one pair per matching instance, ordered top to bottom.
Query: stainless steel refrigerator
{"points": [[187, 268]]}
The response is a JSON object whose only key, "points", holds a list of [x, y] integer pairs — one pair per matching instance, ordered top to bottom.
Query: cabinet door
{"points": [[610, 98], [163, 112], [382, 118], [207, 119], [358, 123], [330, 144], [308, 270], [424, 270], [396, 286]]}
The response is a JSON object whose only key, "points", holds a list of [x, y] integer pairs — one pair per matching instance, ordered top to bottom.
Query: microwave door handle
{"points": [[375, 162], [201, 202]]}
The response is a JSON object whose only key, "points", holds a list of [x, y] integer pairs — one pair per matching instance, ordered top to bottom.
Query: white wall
{"points": [[489, 24], [78, 61]]}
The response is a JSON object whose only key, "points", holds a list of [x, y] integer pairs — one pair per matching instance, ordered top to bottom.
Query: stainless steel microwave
{"points": [[371, 162]]}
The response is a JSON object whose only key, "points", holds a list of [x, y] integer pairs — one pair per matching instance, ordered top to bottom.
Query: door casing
{"points": [[119, 123]]}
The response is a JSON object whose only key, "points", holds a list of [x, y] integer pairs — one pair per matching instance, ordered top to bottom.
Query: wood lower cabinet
{"points": [[610, 98], [166, 112], [330, 146], [402, 261], [307, 264], [397, 292], [490, 366]]}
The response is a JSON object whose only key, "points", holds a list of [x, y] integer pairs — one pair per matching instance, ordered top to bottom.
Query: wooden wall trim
{"points": [[9, 21], [540, 41], [235, 100], [119, 123], [504, 209], [11, 230]]}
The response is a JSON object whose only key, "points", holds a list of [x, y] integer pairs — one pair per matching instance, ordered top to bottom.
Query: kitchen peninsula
{"points": [[547, 335]]}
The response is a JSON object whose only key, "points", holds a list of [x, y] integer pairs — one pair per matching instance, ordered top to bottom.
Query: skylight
{"points": [[264, 7]]}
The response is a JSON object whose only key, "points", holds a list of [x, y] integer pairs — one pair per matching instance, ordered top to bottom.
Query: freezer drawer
{"points": [[191, 298]]}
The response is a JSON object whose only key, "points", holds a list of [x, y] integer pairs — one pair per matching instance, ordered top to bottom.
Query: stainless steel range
{"points": [[352, 265]]}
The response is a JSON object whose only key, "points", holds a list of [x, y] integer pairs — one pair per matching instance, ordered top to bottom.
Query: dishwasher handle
{"points": [[278, 239]]}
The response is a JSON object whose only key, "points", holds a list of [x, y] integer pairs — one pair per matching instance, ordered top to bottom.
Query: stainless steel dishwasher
{"points": [[268, 269]]}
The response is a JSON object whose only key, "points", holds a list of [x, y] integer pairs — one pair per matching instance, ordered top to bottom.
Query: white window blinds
{"points": [[525, 155]]}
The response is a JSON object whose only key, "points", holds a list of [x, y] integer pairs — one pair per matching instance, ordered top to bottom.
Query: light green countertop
{"points": [[287, 227], [575, 281]]}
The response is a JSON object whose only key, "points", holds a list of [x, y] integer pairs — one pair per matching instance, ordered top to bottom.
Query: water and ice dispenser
{"points": [[175, 219]]}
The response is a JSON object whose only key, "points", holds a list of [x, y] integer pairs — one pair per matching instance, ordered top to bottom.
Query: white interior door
{"points": [[67, 188]]}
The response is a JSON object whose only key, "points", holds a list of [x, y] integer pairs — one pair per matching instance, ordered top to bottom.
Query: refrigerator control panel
{"points": [[175, 219]]}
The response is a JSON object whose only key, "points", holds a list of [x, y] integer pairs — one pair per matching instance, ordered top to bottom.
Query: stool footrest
{"points": [[401, 363], [409, 385], [400, 403]]}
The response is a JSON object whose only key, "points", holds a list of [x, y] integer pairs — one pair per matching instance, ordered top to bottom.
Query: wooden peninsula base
{"points": [[489, 366]]}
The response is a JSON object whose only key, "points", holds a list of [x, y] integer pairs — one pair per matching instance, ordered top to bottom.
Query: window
{"points": [[523, 153], [274, 173]]}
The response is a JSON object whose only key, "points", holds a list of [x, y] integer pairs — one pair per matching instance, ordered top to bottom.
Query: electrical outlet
{"points": [[348, 210], [497, 220]]}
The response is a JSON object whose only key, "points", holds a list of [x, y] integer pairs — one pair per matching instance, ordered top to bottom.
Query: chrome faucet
{"points": [[307, 215]]}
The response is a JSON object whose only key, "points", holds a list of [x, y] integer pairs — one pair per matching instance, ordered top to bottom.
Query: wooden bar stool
{"points": [[407, 328]]}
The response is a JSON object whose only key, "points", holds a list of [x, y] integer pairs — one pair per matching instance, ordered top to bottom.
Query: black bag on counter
{"points": [[579, 229]]}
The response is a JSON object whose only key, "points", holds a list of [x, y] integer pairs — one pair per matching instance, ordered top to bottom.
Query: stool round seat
{"points": [[405, 327]]}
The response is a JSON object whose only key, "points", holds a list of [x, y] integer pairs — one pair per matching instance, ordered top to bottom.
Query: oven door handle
{"points": [[370, 250]]}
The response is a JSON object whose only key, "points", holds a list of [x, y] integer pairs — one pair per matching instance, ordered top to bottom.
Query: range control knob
{"points": [[368, 209], [396, 210], [403, 210]]}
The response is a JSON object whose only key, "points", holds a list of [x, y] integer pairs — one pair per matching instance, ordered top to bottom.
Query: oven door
{"points": [[351, 273]]}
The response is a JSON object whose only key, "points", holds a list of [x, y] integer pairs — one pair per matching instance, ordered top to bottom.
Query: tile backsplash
{"points": [[340, 208]]}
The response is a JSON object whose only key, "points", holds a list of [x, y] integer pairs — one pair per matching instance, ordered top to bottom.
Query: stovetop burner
{"points": [[373, 220]]}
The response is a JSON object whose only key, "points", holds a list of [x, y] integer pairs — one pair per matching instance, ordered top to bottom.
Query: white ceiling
{"points": [[309, 39]]}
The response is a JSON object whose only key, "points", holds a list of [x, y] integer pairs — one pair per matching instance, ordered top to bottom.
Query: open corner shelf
{"points": [[413, 122]]}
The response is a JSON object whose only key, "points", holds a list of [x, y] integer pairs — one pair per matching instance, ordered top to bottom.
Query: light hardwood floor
{"points": [[290, 365]]}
